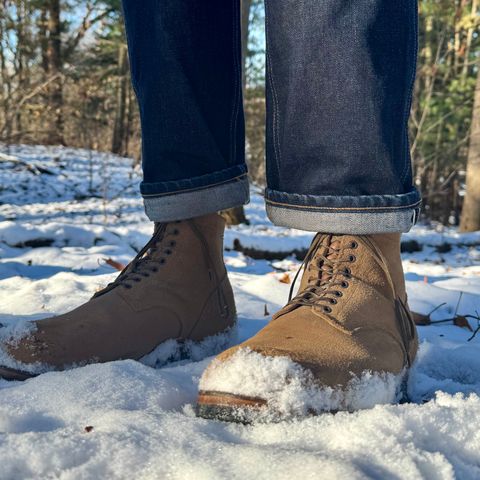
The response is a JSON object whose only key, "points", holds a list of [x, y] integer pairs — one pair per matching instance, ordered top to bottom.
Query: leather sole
{"points": [[228, 407]]}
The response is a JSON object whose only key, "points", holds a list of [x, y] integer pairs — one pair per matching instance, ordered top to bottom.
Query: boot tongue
{"points": [[158, 234], [330, 248], [332, 253], [316, 273]]}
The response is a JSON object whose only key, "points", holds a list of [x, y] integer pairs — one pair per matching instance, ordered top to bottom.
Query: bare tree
{"points": [[245, 24], [54, 65], [119, 127], [470, 220]]}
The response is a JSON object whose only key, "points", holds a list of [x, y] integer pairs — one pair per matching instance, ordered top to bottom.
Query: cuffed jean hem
{"points": [[183, 204], [358, 215]]}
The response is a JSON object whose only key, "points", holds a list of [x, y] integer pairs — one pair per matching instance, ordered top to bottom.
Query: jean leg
{"points": [[185, 63], [339, 84]]}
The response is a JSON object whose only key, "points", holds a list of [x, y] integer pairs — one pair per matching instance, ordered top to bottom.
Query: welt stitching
{"points": [[238, 77], [235, 86], [238, 87], [233, 104], [276, 143], [407, 161]]}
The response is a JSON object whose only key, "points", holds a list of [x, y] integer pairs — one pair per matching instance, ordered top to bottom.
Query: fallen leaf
{"points": [[113, 263], [285, 278], [420, 319], [461, 321], [88, 429]]}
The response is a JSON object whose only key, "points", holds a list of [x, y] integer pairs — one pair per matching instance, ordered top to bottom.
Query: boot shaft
{"points": [[209, 231]]}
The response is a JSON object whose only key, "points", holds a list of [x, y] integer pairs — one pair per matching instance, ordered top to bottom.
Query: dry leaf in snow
{"points": [[113, 263], [285, 278], [420, 319], [461, 321]]}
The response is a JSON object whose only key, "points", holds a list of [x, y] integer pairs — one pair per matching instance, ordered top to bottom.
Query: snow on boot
{"points": [[175, 289], [344, 342]]}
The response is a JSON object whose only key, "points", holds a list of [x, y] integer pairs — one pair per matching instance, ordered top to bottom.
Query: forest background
{"points": [[64, 79]]}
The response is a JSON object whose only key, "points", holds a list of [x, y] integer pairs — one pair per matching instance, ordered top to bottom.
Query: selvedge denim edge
{"points": [[196, 201], [360, 215]]}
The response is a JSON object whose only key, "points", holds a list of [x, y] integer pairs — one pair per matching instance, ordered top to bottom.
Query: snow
{"points": [[56, 231], [290, 390]]}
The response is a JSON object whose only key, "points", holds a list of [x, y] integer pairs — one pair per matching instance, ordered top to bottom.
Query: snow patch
{"points": [[175, 350], [291, 390], [142, 418]]}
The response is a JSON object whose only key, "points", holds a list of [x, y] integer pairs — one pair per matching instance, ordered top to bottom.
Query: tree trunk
{"points": [[245, 17], [42, 37], [468, 43], [428, 52], [19, 59], [55, 65], [5, 79], [119, 125], [128, 125], [470, 220]]}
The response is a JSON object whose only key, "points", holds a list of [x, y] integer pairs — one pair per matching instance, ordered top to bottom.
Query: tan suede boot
{"points": [[176, 288], [344, 342]]}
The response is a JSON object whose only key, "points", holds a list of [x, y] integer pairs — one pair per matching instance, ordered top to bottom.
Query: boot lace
{"points": [[145, 262], [328, 273]]}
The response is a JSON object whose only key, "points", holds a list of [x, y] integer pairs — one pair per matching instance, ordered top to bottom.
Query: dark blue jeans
{"points": [[339, 84]]}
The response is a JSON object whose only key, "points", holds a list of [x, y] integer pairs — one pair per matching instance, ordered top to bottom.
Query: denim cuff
{"points": [[193, 197], [358, 215]]}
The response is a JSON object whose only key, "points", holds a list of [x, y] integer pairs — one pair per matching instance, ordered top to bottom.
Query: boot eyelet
{"points": [[176, 231], [173, 243], [354, 244], [168, 252], [352, 258], [161, 261], [155, 269], [347, 272], [344, 284], [127, 286], [338, 294], [333, 301], [327, 309]]}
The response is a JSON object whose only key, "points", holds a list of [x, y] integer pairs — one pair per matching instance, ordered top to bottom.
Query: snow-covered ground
{"points": [[63, 212]]}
